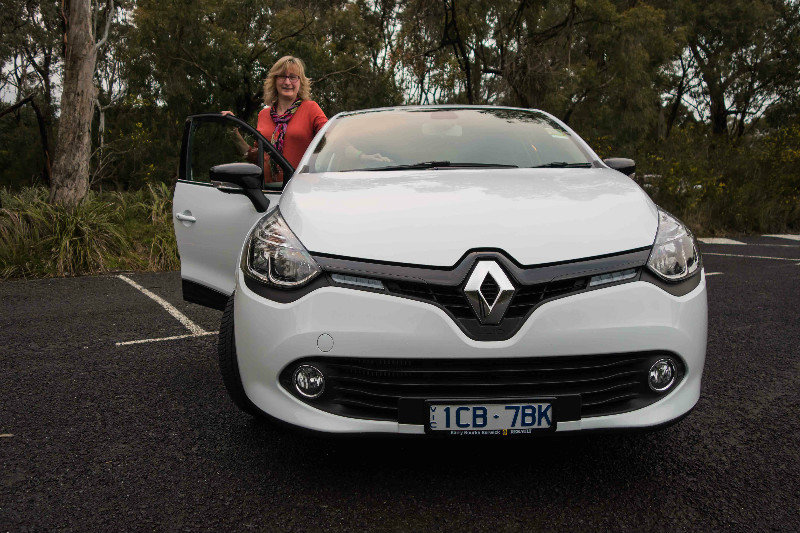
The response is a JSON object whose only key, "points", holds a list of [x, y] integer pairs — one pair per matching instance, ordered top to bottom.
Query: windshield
{"points": [[423, 138]]}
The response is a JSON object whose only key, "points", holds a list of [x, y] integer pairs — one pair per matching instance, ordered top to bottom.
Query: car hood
{"points": [[433, 217]]}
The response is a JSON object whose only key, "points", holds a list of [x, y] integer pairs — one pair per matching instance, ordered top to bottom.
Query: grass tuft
{"points": [[130, 231]]}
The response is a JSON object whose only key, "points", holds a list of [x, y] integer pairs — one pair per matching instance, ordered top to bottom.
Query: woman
{"points": [[291, 118]]}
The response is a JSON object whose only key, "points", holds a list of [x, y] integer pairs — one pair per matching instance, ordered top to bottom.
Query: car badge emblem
{"points": [[489, 292]]}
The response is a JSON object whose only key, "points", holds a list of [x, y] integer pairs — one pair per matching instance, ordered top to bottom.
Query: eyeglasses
{"points": [[291, 77]]}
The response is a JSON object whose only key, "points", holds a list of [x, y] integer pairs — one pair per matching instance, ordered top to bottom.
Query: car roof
{"points": [[436, 106]]}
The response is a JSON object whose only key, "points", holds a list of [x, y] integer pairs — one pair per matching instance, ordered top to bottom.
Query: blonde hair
{"points": [[280, 67]]}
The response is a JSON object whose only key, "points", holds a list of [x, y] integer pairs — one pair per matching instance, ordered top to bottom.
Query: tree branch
{"points": [[109, 16], [64, 27], [32, 60], [196, 65], [331, 74], [16, 106]]}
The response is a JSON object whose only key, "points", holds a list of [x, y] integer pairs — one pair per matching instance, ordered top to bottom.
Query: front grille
{"points": [[452, 298], [371, 387]]}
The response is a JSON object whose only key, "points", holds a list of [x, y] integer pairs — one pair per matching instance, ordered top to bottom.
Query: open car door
{"points": [[212, 218]]}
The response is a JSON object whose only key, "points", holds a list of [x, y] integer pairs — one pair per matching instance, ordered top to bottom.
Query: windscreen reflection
{"points": [[440, 138]]}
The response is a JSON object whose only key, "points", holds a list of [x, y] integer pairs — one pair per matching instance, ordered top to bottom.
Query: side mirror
{"points": [[621, 164], [247, 176]]}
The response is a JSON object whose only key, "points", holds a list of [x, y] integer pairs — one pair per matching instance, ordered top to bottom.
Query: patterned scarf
{"points": [[281, 123]]}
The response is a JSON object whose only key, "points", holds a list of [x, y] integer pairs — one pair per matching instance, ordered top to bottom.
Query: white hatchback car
{"points": [[449, 270]]}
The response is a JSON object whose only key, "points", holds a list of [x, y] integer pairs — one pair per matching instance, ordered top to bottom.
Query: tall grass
{"points": [[156, 204], [130, 231]]}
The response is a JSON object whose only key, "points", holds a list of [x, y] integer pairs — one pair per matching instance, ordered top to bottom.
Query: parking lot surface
{"points": [[113, 416]]}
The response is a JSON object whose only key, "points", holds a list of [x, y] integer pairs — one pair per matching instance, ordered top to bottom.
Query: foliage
{"points": [[30, 56], [740, 56], [20, 160], [753, 185], [156, 204], [130, 231], [38, 238]]}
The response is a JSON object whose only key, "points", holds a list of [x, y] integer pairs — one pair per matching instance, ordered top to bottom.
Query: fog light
{"points": [[662, 375], [309, 381]]}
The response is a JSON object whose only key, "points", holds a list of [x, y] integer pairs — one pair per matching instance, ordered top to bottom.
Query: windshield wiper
{"points": [[435, 164], [563, 164]]}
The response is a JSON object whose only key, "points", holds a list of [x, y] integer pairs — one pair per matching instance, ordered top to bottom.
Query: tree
{"points": [[30, 53], [742, 57], [595, 64], [70, 180]]}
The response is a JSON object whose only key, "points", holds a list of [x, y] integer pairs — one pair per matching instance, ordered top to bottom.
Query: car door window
{"points": [[214, 139], [217, 143]]}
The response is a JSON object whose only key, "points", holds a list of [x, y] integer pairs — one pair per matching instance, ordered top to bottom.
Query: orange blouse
{"points": [[306, 122]]}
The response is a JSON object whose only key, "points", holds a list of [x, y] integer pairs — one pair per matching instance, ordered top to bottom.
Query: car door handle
{"points": [[186, 216]]}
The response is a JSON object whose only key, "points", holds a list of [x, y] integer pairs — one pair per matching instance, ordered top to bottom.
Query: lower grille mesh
{"points": [[371, 387]]}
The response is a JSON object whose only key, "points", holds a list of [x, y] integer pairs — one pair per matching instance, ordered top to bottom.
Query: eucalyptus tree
{"points": [[83, 20], [347, 50], [207, 54], [213, 55], [30, 56], [210, 56], [741, 58], [591, 62]]}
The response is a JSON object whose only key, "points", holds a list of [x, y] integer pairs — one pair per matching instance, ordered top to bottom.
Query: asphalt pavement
{"points": [[104, 425]]}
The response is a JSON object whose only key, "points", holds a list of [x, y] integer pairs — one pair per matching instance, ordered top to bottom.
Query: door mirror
{"points": [[621, 164], [247, 176]]}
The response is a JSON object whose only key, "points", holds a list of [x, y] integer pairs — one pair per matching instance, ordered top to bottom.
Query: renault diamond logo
{"points": [[489, 292]]}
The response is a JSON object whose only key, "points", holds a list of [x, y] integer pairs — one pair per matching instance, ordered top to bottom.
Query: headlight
{"points": [[275, 255], [674, 256]]}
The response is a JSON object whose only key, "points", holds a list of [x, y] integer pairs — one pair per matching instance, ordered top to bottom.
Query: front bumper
{"points": [[630, 317]]}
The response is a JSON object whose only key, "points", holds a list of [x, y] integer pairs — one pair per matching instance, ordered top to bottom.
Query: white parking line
{"points": [[785, 236], [718, 240], [755, 256], [713, 274], [183, 319], [176, 337]]}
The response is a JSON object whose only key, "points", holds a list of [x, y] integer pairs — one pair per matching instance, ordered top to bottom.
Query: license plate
{"points": [[490, 418]]}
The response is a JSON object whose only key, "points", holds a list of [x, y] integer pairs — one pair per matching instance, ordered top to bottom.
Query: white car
{"points": [[447, 270]]}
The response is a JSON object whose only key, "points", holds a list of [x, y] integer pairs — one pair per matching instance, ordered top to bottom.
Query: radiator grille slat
{"points": [[522, 366], [506, 381]]}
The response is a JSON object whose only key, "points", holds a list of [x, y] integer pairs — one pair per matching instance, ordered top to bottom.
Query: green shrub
{"points": [[723, 186], [157, 204], [130, 231], [42, 239]]}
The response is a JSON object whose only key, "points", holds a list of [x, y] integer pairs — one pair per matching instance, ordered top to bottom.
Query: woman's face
{"points": [[288, 83]]}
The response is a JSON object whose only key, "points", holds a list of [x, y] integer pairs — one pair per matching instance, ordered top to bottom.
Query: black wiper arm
{"points": [[436, 164], [563, 164], [480, 165], [413, 166]]}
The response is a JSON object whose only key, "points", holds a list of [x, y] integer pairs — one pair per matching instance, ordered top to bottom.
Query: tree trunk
{"points": [[719, 114], [46, 168], [70, 178]]}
